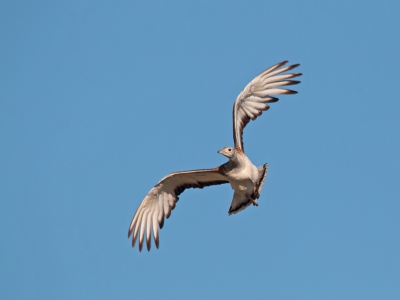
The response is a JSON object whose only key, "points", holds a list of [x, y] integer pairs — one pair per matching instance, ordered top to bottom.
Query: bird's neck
{"points": [[234, 161], [233, 165]]}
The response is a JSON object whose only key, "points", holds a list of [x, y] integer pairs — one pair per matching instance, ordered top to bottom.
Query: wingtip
{"points": [[280, 64], [293, 82], [291, 92], [162, 222], [134, 241], [140, 245], [148, 245]]}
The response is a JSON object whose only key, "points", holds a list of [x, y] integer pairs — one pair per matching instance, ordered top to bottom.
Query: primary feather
{"points": [[245, 179]]}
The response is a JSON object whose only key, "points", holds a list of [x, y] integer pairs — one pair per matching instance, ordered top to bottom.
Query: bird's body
{"points": [[240, 170], [245, 179]]}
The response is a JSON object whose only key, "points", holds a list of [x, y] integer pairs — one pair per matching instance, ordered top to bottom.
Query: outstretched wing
{"points": [[251, 102], [161, 200]]}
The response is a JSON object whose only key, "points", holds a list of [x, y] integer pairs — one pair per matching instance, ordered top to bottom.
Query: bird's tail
{"points": [[239, 203]]}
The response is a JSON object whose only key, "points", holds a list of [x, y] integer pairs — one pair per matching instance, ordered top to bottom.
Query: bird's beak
{"points": [[219, 151]]}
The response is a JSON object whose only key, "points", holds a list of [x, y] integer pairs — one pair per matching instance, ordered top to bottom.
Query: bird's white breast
{"points": [[244, 177]]}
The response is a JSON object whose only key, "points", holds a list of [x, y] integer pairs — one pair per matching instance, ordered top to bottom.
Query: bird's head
{"points": [[229, 152]]}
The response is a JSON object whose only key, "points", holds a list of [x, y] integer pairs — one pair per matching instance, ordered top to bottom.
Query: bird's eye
{"points": [[230, 149]]}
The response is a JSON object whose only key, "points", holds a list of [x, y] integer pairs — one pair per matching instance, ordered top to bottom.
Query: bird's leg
{"points": [[254, 201]]}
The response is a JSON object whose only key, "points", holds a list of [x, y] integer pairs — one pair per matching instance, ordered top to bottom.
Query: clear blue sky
{"points": [[99, 100]]}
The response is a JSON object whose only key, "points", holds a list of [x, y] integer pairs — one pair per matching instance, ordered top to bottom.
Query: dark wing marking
{"points": [[251, 102], [161, 200]]}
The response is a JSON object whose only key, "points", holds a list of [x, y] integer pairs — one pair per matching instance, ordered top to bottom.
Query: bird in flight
{"points": [[245, 179]]}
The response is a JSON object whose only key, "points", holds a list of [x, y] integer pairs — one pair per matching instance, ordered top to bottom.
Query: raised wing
{"points": [[251, 102], [161, 200]]}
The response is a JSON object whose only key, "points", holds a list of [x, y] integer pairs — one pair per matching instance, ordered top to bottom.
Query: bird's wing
{"points": [[251, 102], [262, 174], [161, 200]]}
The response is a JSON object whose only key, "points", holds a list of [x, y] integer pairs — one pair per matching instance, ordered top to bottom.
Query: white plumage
{"points": [[245, 179]]}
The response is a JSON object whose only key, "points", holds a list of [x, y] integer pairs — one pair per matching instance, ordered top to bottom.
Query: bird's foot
{"points": [[251, 198], [255, 203]]}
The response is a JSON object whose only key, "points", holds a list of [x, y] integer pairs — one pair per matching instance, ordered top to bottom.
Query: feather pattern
{"points": [[247, 105], [245, 179], [162, 198]]}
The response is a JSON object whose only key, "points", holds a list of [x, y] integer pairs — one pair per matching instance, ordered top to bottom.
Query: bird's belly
{"points": [[250, 172], [242, 187]]}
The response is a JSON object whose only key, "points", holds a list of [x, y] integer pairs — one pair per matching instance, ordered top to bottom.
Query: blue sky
{"points": [[100, 100]]}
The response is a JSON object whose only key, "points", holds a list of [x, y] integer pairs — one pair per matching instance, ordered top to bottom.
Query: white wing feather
{"points": [[251, 102], [162, 198]]}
